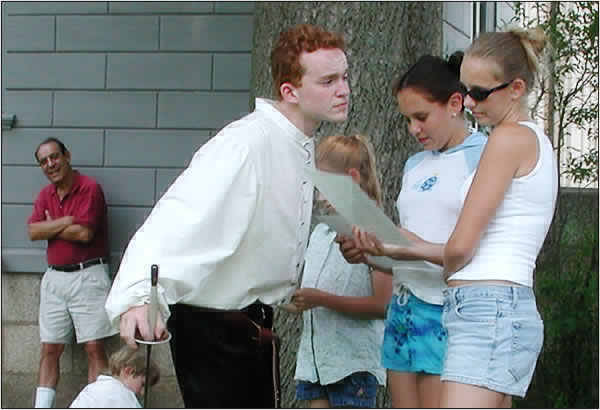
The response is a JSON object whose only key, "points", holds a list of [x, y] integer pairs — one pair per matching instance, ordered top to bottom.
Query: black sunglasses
{"points": [[480, 94]]}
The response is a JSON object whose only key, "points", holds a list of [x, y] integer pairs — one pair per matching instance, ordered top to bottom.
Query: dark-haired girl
{"points": [[430, 97]]}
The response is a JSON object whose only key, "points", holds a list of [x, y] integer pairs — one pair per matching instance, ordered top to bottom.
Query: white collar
{"points": [[268, 106]]}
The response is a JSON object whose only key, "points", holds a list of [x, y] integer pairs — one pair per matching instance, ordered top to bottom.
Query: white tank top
{"points": [[515, 234]]}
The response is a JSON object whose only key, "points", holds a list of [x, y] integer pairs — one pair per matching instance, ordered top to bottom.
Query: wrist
{"points": [[65, 221], [402, 252], [412, 252], [319, 298]]}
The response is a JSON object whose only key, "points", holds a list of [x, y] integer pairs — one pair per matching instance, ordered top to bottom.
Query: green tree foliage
{"points": [[570, 85], [566, 281], [566, 287]]}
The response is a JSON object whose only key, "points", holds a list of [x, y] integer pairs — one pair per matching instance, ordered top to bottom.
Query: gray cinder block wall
{"points": [[133, 89]]}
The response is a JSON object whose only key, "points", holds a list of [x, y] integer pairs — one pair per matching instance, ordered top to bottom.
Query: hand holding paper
{"points": [[355, 208], [339, 224], [369, 243], [349, 250]]}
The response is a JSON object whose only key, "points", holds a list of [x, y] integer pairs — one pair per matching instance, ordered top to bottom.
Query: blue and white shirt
{"points": [[429, 202]]}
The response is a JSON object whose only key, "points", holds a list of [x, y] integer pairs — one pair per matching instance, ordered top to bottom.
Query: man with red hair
{"points": [[230, 233]]}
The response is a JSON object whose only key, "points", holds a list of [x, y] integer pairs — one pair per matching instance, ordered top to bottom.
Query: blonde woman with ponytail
{"points": [[343, 304], [495, 332]]}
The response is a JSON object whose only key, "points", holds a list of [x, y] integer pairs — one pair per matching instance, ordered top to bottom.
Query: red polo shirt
{"points": [[85, 203]]}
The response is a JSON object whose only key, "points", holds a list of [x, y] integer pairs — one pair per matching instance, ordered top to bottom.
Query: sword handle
{"points": [[154, 275], [153, 311]]}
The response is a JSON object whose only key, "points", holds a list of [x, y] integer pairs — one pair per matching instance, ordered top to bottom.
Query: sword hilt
{"points": [[154, 275], [153, 311]]}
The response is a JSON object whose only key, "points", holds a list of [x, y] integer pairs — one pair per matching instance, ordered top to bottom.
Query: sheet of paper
{"points": [[356, 207], [339, 224]]}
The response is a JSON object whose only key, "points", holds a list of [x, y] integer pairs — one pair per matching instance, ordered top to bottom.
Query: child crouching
{"points": [[118, 386]]}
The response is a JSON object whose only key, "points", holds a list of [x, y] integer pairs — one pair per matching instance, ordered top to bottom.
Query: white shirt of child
{"points": [[232, 228], [335, 345], [106, 392]]}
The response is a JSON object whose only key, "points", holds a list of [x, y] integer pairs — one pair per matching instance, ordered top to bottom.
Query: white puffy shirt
{"points": [[232, 228], [514, 236]]}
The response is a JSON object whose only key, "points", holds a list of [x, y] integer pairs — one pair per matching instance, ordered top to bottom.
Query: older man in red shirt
{"points": [[70, 213]]}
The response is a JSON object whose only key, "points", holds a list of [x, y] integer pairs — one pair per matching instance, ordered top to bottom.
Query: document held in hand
{"points": [[354, 207]]}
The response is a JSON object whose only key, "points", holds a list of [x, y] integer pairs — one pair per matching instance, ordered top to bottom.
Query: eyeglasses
{"points": [[480, 94], [53, 157]]}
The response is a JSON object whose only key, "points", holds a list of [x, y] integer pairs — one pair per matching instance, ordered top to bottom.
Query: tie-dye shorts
{"points": [[414, 339]]}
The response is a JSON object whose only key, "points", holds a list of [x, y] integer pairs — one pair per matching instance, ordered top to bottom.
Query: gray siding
{"points": [[58, 7], [160, 7], [504, 13], [459, 21], [457, 26], [25, 33], [107, 33], [202, 33], [53, 71], [160, 71], [231, 71], [132, 88], [32, 108], [104, 109], [180, 109], [86, 146], [182, 146]]}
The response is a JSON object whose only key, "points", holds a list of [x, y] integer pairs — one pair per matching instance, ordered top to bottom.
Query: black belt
{"points": [[74, 267]]}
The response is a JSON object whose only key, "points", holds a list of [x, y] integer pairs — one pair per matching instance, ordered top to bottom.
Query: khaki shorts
{"points": [[74, 300]]}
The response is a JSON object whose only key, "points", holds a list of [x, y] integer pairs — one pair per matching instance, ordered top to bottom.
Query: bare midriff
{"points": [[455, 283]]}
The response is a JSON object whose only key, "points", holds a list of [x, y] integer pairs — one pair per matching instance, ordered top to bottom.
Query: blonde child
{"points": [[343, 304], [125, 378]]}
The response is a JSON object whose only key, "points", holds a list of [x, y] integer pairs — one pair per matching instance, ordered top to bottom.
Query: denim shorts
{"points": [[495, 335], [414, 339], [357, 390]]}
